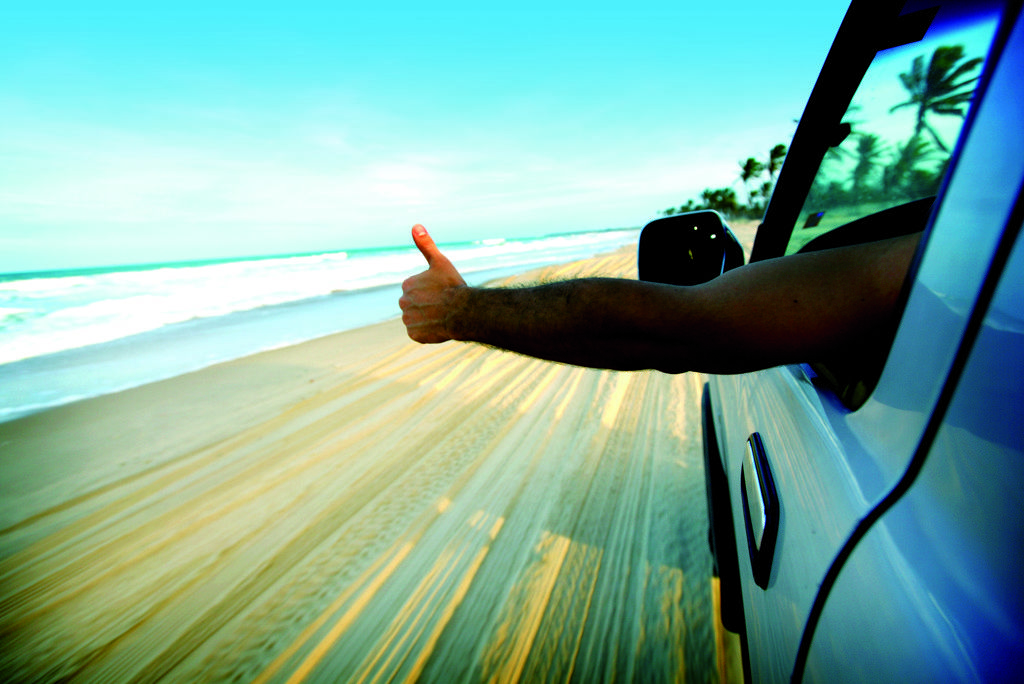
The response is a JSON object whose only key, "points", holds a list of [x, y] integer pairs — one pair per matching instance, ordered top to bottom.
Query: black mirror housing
{"points": [[687, 249]]}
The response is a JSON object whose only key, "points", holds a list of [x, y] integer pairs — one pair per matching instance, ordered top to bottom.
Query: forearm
{"points": [[805, 307], [595, 322]]}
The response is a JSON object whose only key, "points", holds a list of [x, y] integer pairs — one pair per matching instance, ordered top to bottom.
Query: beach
{"points": [[362, 508]]}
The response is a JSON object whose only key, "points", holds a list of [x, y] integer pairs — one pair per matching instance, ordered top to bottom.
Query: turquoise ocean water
{"points": [[69, 335]]}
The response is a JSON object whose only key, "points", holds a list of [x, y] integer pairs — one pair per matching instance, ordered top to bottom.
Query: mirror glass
{"points": [[687, 249]]}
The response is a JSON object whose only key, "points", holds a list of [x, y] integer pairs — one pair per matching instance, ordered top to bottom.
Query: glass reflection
{"points": [[902, 123]]}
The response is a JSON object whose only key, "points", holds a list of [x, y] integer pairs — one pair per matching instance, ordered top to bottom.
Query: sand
{"points": [[363, 508]]}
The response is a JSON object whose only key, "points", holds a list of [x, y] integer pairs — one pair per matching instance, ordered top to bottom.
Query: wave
{"points": [[42, 314]]}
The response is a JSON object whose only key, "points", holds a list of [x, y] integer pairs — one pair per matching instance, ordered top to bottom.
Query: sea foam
{"points": [[203, 307]]}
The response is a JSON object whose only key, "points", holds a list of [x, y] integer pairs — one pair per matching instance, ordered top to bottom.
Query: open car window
{"points": [[901, 127]]}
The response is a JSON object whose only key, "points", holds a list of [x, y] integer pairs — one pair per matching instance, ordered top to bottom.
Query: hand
{"points": [[426, 297]]}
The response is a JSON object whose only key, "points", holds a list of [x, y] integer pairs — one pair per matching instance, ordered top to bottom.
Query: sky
{"points": [[162, 131]]}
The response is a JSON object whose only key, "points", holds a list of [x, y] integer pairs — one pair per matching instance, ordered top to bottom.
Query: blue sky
{"points": [[140, 132]]}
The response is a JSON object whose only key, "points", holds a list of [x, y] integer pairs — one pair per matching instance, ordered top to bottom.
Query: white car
{"points": [[867, 521]]}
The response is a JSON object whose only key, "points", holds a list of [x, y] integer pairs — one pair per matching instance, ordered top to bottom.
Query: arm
{"points": [[798, 308]]}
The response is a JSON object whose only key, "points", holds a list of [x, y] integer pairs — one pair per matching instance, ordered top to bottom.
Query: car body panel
{"points": [[978, 201], [783, 406], [943, 566], [929, 591]]}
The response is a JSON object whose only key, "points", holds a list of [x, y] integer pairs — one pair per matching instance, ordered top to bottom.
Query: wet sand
{"points": [[363, 508]]}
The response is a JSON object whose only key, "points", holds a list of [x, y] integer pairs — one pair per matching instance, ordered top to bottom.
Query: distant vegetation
{"points": [[757, 178]]}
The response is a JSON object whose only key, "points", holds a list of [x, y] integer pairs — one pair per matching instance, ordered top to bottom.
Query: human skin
{"points": [[800, 308]]}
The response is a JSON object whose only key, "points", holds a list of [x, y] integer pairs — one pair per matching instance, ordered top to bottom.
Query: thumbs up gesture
{"points": [[426, 297]]}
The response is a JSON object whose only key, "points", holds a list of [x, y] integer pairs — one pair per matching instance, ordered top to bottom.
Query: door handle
{"points": [[760, 509]]}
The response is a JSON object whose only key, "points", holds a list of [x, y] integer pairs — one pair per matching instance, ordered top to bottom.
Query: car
{"points": [[867, 517]]}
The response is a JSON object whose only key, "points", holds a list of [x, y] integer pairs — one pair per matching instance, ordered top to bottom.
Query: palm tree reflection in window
{"points": [[936, 89], [876, 168]]}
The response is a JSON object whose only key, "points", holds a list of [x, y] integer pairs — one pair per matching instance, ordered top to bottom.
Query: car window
{"points": [[902, 125]]}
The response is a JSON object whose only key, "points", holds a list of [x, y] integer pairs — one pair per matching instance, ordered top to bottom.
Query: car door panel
{"points": [[820, 503], [942, 566]]}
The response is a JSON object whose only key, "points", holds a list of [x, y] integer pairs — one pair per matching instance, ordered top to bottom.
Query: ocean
{"points": [[75, 334]]}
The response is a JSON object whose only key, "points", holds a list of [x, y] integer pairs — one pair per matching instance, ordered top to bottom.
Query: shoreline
{"points": [[39, 383]]}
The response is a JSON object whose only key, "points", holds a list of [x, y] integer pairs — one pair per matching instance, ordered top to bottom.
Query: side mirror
{"points": [[687, 249]]}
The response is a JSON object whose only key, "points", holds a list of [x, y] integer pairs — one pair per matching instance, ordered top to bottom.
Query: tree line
{"points": [[758, 180]]}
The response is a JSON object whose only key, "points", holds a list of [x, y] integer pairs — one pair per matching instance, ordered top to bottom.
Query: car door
{"points": [[831, 446], [927, 588]]}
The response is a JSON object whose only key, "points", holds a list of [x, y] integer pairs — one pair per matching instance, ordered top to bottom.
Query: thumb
{"points": [[425, 243]]}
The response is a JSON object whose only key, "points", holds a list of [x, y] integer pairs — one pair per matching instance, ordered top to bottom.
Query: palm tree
{"points": [[937, 89], [869, 149], [775, 157], [750, 169], [897, 176], [722, 200]]}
